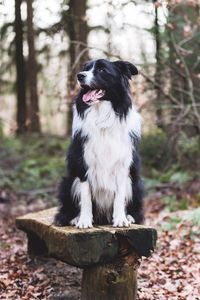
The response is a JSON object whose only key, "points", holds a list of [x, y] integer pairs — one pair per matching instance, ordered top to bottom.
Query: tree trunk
{"points": [[78, 52], [20, 71], [32, 72], [159, 98], [114, 281]]}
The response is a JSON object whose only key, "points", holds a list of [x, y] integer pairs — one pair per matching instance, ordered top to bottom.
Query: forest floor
{"points": [[172, 272]]}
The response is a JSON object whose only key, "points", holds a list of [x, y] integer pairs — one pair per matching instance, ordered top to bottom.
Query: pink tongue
{"points": [[93, 95]]}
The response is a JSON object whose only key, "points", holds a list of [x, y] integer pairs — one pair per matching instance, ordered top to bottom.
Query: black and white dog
{"points": [[103, 184]]}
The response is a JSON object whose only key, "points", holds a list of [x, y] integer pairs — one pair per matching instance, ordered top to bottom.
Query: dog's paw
{"points": [[130, 219], [60, 220], [74, 221], [84, 222], [121, 222]]}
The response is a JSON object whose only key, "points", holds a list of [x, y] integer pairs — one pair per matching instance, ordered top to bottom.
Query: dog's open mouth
{"points": [[93, 96]]}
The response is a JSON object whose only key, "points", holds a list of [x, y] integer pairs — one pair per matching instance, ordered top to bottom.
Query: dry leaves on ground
{"points": [[171, 273]]}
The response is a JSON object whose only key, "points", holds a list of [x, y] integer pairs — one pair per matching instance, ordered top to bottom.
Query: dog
{"points": [[102, 184]]}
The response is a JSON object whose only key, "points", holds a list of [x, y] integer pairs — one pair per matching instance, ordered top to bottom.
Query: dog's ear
{"points": [[126, 68]]}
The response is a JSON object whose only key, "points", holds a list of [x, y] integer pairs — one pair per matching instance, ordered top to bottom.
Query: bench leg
{"points": [[36, 246], [116, 281]]}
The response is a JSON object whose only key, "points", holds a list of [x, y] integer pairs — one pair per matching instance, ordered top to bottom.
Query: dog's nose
{"points": [[81, 76]]}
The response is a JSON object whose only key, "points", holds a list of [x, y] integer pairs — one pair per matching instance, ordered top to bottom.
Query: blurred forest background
{"points": [[43, 44]]}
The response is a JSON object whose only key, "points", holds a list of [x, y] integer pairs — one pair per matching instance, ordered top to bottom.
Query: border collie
{"points": [[102, 184]]}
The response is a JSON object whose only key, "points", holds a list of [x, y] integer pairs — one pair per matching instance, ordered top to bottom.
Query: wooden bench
{"points": [[109, 256]]}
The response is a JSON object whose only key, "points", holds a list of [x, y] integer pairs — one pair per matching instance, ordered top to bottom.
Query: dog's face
{"points": [[100, 76]]}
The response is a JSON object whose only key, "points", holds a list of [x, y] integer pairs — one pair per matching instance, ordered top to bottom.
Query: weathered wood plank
{"points": [[84, 247]]}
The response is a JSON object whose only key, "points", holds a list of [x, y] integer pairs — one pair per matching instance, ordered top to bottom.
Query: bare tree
{"points": [[78, 51], [184, 63], [20, 71], [32, 71], [158, 71]]}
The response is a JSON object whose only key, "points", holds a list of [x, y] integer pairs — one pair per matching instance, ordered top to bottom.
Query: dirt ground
{"points": [[172, 272]]}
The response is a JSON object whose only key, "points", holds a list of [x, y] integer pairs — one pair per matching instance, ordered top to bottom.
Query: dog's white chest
{"points": [[108, 150]]}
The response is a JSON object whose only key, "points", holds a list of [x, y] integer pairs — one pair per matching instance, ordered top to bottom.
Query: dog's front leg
{"points": [[119, 213], [85, 219]]}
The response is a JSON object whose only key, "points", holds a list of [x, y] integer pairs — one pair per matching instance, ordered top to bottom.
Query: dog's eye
{"points": [[101, 70]]}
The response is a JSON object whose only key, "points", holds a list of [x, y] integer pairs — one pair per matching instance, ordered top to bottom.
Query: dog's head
{"points": [[100, 76]]}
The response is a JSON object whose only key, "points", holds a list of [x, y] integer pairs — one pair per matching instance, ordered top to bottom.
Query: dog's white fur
{"points": [[89, 75], [108, 155]]}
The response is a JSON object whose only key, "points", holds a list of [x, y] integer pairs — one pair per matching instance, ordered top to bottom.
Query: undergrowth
{"points": [[31, 162]]}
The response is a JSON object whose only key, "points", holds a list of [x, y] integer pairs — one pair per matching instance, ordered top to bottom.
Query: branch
{"points": [[95, 48], [188, 78], [156, 85]]}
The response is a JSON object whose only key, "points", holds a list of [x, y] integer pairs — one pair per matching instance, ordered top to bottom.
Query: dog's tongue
{"points": [[93, 95]]}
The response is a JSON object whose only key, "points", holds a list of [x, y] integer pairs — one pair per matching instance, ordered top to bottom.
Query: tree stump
{"points": [[109, 256]]}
